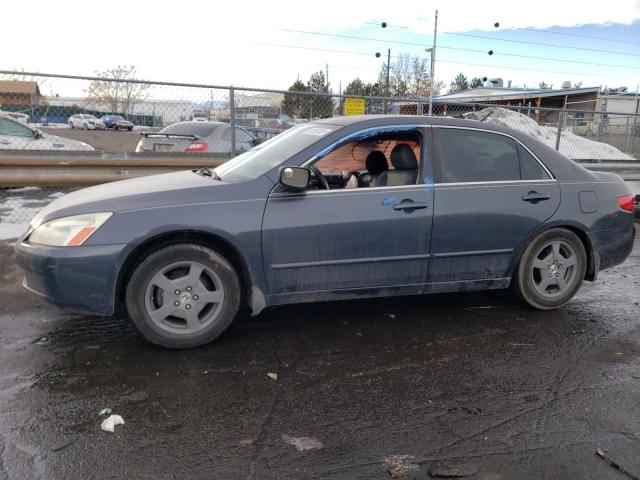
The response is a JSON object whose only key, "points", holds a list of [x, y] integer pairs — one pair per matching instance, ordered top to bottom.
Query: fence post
{"points": [[561, 117], [232, 120]]}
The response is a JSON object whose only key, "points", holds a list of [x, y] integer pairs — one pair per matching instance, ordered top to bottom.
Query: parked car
{"points": [[20, 117], [86, 122], [116, 122], [15, 135], [193, 137], [440, 205]]}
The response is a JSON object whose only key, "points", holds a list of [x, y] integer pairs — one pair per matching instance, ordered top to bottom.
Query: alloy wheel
{"points": [[184, 297]]}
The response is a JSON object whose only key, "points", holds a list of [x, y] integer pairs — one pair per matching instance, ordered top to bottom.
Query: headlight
{"points": [[68, 231]]}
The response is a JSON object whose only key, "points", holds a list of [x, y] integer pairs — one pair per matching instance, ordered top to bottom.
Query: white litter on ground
{"points": [[571, 145], [23, 189], [9, 231], [109, 424], [302, 443]]}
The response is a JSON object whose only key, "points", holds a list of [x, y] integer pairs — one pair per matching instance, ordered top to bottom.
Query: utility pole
{"points": [[433, 63], [326, 66], [388, 70], [388, 73]]}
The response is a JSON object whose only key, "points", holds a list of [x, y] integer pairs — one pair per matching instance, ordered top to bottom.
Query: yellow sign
{"points": [[354, 106]]}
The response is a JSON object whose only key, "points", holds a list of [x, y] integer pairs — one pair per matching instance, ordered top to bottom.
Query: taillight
{"points": [[140, 146], [197, 147], [626, 202]]}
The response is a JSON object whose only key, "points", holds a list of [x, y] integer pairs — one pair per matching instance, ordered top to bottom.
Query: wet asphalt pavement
{"points": [[473, 380]]}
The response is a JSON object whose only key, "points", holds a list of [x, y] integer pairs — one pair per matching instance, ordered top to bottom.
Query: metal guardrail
{"points": [[76, 169], [85, 169], [628, 171]]}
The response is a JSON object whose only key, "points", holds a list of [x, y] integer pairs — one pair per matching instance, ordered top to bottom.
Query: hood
{"points": [[54, 142], [176, 188]]}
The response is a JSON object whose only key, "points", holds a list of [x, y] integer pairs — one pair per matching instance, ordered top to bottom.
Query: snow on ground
{"points": [[571, 145], [23, 189], [19, 205], [10, 231]]}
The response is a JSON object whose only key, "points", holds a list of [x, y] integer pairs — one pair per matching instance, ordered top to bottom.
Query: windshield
{"points": [[192, 128], [262, 158]]}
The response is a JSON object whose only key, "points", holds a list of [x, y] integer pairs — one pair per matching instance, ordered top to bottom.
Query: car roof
{"points": [[403, 119]]}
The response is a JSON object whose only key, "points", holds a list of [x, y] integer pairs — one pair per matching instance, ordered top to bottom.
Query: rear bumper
{"points": [[613, 246], [79, 278]]}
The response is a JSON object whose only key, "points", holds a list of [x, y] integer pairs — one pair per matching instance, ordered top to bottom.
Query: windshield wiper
{"points": [[207, 172]]}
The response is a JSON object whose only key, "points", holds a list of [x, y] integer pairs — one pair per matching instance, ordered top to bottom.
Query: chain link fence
{"points": [[57, 113]]}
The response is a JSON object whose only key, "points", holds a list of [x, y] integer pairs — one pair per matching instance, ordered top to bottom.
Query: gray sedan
{"points": [[196, 137], [346, 207]]}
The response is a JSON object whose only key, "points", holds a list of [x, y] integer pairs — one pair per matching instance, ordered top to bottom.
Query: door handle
{"points": [[535, 197], [409, 205]]}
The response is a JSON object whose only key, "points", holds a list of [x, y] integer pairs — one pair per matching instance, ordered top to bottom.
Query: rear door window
{"points": [[474, 156], [530, 168]]}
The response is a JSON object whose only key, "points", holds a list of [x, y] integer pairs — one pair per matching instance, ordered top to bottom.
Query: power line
{"points": [[541, 30], [578, 35], [353, 37], [540, 44], [349, 52], [444, 61], [520, 68]]}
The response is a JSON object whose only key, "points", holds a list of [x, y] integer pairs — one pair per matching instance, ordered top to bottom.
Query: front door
{"points": [[491, 194], [349, 238]]}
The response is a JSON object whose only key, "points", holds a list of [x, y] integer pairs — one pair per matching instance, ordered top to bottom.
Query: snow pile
{"points": [[571, 145]]}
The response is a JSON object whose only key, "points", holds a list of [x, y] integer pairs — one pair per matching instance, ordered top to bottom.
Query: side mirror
{"points": [[37, 134], [296, 178]]}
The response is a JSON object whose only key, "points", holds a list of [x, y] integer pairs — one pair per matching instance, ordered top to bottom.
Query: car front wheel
{"points": [[551, 269], [183, 296]]}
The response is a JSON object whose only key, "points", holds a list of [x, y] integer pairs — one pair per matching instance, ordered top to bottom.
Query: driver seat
{"points": [[405, 167]]}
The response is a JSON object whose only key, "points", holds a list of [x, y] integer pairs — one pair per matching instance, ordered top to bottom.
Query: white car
{"points": [[21, 117], [86, 122], [15, 135]]}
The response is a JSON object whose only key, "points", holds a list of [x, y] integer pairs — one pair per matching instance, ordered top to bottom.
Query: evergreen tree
{"points": [[459, 84], [296, 106]]}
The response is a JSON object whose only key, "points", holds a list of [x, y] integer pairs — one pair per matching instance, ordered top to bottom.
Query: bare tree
{"points": [[117, 92]]}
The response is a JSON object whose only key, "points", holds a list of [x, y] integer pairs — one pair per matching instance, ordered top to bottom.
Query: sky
{"points": [[251, 44]]}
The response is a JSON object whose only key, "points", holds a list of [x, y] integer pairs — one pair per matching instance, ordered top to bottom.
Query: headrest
{"points": [[403, 158], [376, 162]]}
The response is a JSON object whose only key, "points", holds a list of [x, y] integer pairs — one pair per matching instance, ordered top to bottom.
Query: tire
{"points": [[130, 128], [551, 269], [175, 316]]}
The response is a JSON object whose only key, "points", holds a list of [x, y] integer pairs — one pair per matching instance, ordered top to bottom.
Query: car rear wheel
{"points": [[551, 269], [183, 296]]}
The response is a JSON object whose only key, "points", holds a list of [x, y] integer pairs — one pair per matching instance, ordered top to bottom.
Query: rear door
{"points": [[490, 194]]}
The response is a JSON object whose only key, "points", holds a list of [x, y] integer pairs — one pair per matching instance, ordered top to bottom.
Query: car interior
{"points": [[385, 160]]}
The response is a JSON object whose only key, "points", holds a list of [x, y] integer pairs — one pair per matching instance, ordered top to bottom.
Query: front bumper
{"points": [[80, 278]]}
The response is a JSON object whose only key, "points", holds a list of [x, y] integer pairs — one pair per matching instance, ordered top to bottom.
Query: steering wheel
{"points": [[322, 182]]}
